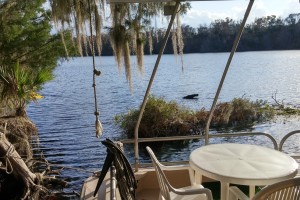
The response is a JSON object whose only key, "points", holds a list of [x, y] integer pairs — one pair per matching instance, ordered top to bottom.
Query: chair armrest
{"points": [[175, 167], [194, 190], [236, 194]]}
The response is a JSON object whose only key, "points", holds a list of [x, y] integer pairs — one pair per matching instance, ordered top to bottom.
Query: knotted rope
{"points": [[98, 125]]}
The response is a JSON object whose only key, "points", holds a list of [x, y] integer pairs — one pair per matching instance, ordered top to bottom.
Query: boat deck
{"points": [[148, 188]]}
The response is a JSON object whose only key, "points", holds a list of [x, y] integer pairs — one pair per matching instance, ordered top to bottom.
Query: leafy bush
{"points": [[246, 112], [160, 118], [163, 118]]}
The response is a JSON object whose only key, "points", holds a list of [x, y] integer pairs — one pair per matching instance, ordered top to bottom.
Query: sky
{"points": [[205, 12]]}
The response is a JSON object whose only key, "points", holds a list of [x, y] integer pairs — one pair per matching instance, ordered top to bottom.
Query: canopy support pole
{"points": [[235, 45], [161, 51]]}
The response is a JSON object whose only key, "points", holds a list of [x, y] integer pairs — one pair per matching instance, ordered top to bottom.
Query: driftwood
{"points": [[12, 163], [34, 183]]}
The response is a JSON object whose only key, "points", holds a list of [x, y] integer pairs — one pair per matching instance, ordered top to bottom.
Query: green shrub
{"points": [[246, 112], [160, 118], [163, 118]]}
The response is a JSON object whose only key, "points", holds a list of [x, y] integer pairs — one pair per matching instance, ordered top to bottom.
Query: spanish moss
{"points": [[131, 26]]}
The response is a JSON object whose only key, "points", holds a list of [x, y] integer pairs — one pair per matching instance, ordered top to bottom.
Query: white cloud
{"points": [[293, 7], [279, 8], [206, 12], [195, 18]]}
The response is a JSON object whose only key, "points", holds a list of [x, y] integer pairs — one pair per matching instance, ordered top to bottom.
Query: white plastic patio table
{"points": [[241, 164]]}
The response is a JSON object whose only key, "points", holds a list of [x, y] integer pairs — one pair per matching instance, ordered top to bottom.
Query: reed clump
{"points": [[162, 118]]}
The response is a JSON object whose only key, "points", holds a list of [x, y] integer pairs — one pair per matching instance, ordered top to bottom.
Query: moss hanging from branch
{"points": [[75, 15], [129, 22], [98, 27], [119, 33], [117, 38], [179, 39], [150, 41], [174, 41], [140, 52], [127, 64]]}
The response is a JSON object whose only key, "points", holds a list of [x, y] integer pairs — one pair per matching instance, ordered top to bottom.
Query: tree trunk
{"points": [[14, 164]]}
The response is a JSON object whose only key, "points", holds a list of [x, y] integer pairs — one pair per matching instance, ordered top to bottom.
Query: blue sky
{"points": [[206, 12]]}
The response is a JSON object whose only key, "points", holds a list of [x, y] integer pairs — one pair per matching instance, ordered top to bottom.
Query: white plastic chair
{"points": [[284, 190], [167, 192]]}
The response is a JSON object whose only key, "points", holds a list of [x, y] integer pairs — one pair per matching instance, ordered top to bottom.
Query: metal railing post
{"points": [[235, 45], [161, 51], [113, 182]]}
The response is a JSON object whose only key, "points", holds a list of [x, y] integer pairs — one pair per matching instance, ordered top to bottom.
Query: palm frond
{"points": [[19, 84]]}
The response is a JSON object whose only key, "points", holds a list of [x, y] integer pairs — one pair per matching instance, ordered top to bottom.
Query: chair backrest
{"points": [[161, 177], [126, 181], [284, 190]]}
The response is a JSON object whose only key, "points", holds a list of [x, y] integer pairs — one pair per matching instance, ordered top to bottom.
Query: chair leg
{"points": [[224, 191], [160, 197]]}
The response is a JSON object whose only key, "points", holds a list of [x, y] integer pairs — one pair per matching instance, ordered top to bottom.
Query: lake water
{"points": [[65, 116]]}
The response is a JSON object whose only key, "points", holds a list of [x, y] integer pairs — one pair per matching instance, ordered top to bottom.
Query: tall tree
{"points": [[28, 51], [28, 55]]}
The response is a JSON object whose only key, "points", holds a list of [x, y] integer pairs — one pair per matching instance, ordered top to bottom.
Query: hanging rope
{"points": [[98, 125]]}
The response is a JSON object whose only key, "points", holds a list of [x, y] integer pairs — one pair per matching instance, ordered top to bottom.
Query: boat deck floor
{"points": [[147, 189]]}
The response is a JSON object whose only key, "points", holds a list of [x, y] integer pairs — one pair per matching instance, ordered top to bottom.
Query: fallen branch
{"points": [[280, 105], [13, 164]]}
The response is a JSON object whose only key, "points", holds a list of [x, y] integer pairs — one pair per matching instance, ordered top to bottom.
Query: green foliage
{"points": [[26, 35], [28, 51], [19, 85], [265, 110], [246, 111], [286, 111], [157, 118], [163, 118]]}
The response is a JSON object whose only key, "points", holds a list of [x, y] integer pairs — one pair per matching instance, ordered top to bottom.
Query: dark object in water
{"points": [[191, 96]]}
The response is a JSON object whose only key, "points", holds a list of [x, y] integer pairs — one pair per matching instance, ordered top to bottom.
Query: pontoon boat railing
{"points": [[147, 93], [196, 137], [286, 137]]}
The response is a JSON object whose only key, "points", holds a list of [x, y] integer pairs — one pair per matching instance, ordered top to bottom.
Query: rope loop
{"points": [[8, 164]]}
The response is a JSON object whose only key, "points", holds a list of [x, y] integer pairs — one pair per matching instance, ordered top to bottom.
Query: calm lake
{"points": [[65, 116]]}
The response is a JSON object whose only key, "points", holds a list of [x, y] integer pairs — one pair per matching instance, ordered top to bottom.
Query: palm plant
{"points": [[20, 85]]}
